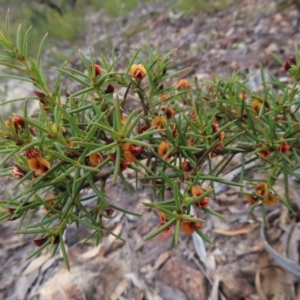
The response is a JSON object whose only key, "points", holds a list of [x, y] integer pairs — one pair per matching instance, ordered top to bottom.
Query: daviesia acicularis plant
{"points": [[145, 118]]}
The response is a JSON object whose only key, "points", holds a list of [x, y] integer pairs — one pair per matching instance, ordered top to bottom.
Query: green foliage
{"points": [[189, 6], [169, 139]]}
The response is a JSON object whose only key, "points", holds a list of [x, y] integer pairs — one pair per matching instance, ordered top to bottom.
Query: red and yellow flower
{"points": [[138, 71], [183, 84], [159, 122], [18, 123], [163, 149], [129, 150], [95, 159], [37, 162], [197, 192], [268, 197], [163, 220], [189, 227]]}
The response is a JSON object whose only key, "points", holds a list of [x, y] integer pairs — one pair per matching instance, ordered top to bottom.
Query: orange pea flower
{"points": [[138, 71], [183, 84], [256, 105], [159, 122], [163, 149], [129, 150], [95, 159], [37, 162], [197, 192], [268, 197], [251, 199], [163, 220], [187, 227]]}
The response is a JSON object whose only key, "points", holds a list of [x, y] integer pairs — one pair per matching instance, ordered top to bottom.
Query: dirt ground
{"points": [[237, 265]]}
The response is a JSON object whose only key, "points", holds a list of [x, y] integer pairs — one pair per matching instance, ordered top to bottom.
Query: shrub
{"points": [[92, 135]]}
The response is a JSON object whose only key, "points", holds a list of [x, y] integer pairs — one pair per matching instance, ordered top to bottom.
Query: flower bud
{"points": [[289, 63], [98, 70], [110, 89], [169, 112], [215, 127], [284, 147], [218, 148], [186, 166], [17, 172], [11, 210], [109, 212], [40, 242]]}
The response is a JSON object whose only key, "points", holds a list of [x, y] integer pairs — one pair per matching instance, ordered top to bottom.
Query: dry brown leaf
{"points": [[233, 232], [96, 250], [91, 253], [161, 260], [36, 263], [270, 282], [124, 284], [259, 287], [214, 294]]}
